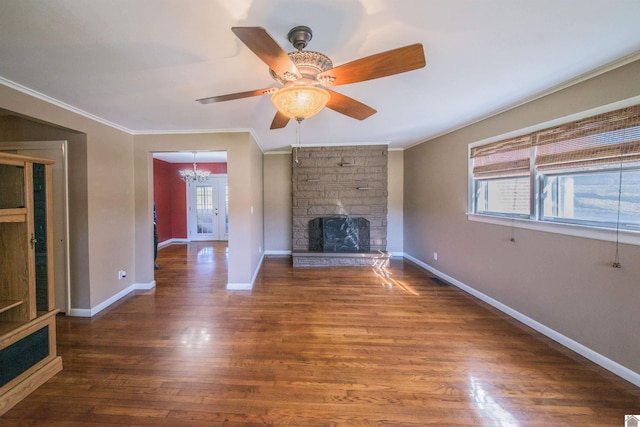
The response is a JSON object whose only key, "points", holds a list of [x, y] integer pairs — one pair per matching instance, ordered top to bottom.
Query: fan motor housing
{"points": [[300, 36], [309, 63]]}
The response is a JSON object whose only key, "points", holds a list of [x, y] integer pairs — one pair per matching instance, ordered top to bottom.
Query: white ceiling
{"points": [[140, 64]]}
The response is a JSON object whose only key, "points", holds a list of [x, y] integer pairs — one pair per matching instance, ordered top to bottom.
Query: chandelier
{"points": [[193, 175]]}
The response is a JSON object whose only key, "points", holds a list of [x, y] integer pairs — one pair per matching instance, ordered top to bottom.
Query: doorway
{"points": [[208, 209]]}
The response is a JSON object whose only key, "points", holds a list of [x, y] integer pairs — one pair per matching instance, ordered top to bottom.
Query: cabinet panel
{"points": [[12, 188], [14, 266], [23, 354]]}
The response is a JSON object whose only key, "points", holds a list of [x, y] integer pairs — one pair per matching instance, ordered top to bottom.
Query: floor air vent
{"points": [[439, 281]]}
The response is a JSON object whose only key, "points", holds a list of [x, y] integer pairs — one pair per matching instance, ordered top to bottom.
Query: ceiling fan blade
{"points": [[266, 48], [382, 64], [238, 95], [349, 106], [279, 121]]}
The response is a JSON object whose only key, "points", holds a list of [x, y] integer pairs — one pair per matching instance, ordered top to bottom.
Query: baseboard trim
{"points": [[171, 242], [271, 252], [145, 286], [238, 286], [246, 286], [83, 312], [597, 358]]}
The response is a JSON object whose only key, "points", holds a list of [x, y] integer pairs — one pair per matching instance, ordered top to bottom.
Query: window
{"points": [[585, 172], [501, 173], [503, 196], [591, 198]]}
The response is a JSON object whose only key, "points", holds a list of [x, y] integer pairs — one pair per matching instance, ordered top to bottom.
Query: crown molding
{"points": [[621, 62], [35, 94], [60, 104]]}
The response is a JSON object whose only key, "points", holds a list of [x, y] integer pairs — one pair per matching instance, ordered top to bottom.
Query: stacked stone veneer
{"points": [[348, 180]]}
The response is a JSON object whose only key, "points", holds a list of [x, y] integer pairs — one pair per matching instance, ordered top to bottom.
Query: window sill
{"points": [[606, 234]]}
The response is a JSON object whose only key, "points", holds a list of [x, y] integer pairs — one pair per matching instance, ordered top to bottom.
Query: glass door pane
{"points": [[204, 210]]}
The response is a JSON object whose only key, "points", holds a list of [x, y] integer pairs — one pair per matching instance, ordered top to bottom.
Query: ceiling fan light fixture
{"points": [[300, 101]]}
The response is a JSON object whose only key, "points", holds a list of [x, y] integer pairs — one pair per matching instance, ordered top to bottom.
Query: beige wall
{"points": [[395, 182], [277, 203], [256, 207], [111, 212], [564, 283]]}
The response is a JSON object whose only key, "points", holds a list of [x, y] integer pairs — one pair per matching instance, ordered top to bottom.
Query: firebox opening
{"points": [[339, 234]]}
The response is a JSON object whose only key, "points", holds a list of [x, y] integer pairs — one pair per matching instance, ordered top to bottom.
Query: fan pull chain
{"points": [[295, 148], [513, 211], [616, 260]]}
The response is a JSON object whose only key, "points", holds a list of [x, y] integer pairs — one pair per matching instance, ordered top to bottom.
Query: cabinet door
{"points": [[41, 241]]}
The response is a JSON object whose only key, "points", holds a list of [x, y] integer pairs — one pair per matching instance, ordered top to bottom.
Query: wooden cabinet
{"points": [[27, 316]]}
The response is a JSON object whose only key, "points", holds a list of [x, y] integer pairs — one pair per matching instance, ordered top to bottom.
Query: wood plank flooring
{"points": [[313, 347]]}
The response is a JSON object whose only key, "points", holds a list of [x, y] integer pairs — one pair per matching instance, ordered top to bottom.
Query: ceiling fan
{"points": [[305, 75]]}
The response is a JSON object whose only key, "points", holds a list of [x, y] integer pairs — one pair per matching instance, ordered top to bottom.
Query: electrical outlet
{"points": [[435, 256], [122, 274]]}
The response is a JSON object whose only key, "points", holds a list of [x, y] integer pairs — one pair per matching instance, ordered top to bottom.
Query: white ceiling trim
{"points": [[586, 76], [57, 103]]}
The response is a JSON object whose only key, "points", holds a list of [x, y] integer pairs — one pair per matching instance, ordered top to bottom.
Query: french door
{"points": [[208, 209]]}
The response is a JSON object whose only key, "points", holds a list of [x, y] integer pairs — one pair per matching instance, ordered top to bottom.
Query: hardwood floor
{"points": [[313, 347]]}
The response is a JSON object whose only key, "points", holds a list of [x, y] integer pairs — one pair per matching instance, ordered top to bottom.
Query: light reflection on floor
{"points": [[205, 254], [384, 276], [195, 338], [487, 407]]}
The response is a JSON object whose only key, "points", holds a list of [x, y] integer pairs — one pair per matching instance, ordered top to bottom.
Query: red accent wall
{"points": [[169, 192], [162, 198]]}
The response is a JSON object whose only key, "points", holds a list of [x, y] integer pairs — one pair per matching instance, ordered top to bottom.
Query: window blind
{"points": [[605, 139], [506, 158]]}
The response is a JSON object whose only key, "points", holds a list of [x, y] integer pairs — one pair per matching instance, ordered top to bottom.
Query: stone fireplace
{"points": [[339, 205]]}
